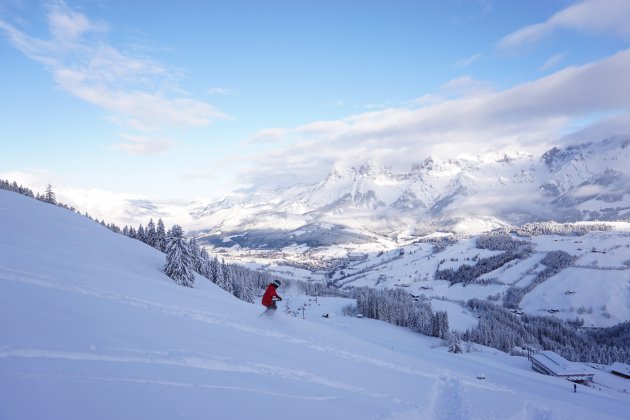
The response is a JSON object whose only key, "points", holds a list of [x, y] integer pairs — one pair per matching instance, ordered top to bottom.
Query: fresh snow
{"points": [[601, 296], [92, 329]]}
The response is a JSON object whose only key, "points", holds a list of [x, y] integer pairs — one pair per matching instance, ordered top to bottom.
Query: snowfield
{"points": [[602, 296], [92, 329]]}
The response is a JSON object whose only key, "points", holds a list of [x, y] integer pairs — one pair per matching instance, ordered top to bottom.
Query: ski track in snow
{"points": [[201, 316], [178, 358], [206, 363], [212, 363], [211, 386], [447, 400], [442, 408], [533, 411]]}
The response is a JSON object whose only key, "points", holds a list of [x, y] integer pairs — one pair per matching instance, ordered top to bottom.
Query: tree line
{"points": [[48, 196], [398, 307], [501, 329]]}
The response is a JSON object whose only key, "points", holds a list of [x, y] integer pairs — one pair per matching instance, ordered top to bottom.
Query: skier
{"points": [[270, 297]]}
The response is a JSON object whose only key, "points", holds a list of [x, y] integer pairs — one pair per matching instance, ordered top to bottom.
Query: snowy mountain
{"points": [[586, 182], [465, 195], [92, 328]]}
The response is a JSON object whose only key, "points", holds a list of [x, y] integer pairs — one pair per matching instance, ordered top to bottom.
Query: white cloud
{"points": [[590, 16], [68, 26], [465, 62], [553, 62], [465, 86], [133, 89], [217, 90], [335, 104], [532, 116], [617, 125], [267, 135], [143, 145]]}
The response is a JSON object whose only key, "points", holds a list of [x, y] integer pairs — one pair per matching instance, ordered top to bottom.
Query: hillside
{"points": [[91, 328]]}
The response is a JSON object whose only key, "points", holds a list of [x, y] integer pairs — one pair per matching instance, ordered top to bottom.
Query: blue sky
{"points": [[176, 100]]}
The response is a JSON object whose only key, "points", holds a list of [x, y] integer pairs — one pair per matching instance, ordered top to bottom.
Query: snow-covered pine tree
{"points": [[50, 197], [140, 234], [150, 234], [160, 236], [195, 252], [179, 261], [205, 264], [215, 270], [225, 281], [244, 283], [249, 290], [422, 317], [440, 324], [454, 343]]}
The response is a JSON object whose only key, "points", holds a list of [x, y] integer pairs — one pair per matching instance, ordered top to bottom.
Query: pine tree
{"points": [[50, 195], [150, 234], [140, 235], [160, 236], [195, 252], [179, 261], [204, 264], [215, 271], [225, 281], [439, 324], [454, 343]]}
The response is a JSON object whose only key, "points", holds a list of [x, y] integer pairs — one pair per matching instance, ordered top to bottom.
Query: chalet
{"points": [[550, 363], [620, 369]]}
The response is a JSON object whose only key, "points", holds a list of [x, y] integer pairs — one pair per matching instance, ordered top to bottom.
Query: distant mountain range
{"points": [[586, 182], [357, 203]]}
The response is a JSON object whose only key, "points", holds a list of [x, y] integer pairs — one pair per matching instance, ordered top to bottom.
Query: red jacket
{"points": [[270, 293]]}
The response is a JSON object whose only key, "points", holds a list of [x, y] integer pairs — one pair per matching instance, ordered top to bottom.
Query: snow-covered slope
{"points": [[91, 328]]}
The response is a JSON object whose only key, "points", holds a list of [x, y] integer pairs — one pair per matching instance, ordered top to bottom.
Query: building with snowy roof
{"points": [[550, 363], [620, 369]]}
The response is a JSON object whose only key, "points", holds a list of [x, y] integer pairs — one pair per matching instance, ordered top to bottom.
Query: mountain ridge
{"points": [[584, 182], [469, 195]]}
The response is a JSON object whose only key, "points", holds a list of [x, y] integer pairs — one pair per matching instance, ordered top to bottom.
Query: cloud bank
{"points": [[590, 16], [532, 116]]}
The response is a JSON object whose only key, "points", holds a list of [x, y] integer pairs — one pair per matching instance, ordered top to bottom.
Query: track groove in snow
{"points": [[215, 320], [197, 362]]}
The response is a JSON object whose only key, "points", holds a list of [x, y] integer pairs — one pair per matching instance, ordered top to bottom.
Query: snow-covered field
{"points": [[92, 329]]}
